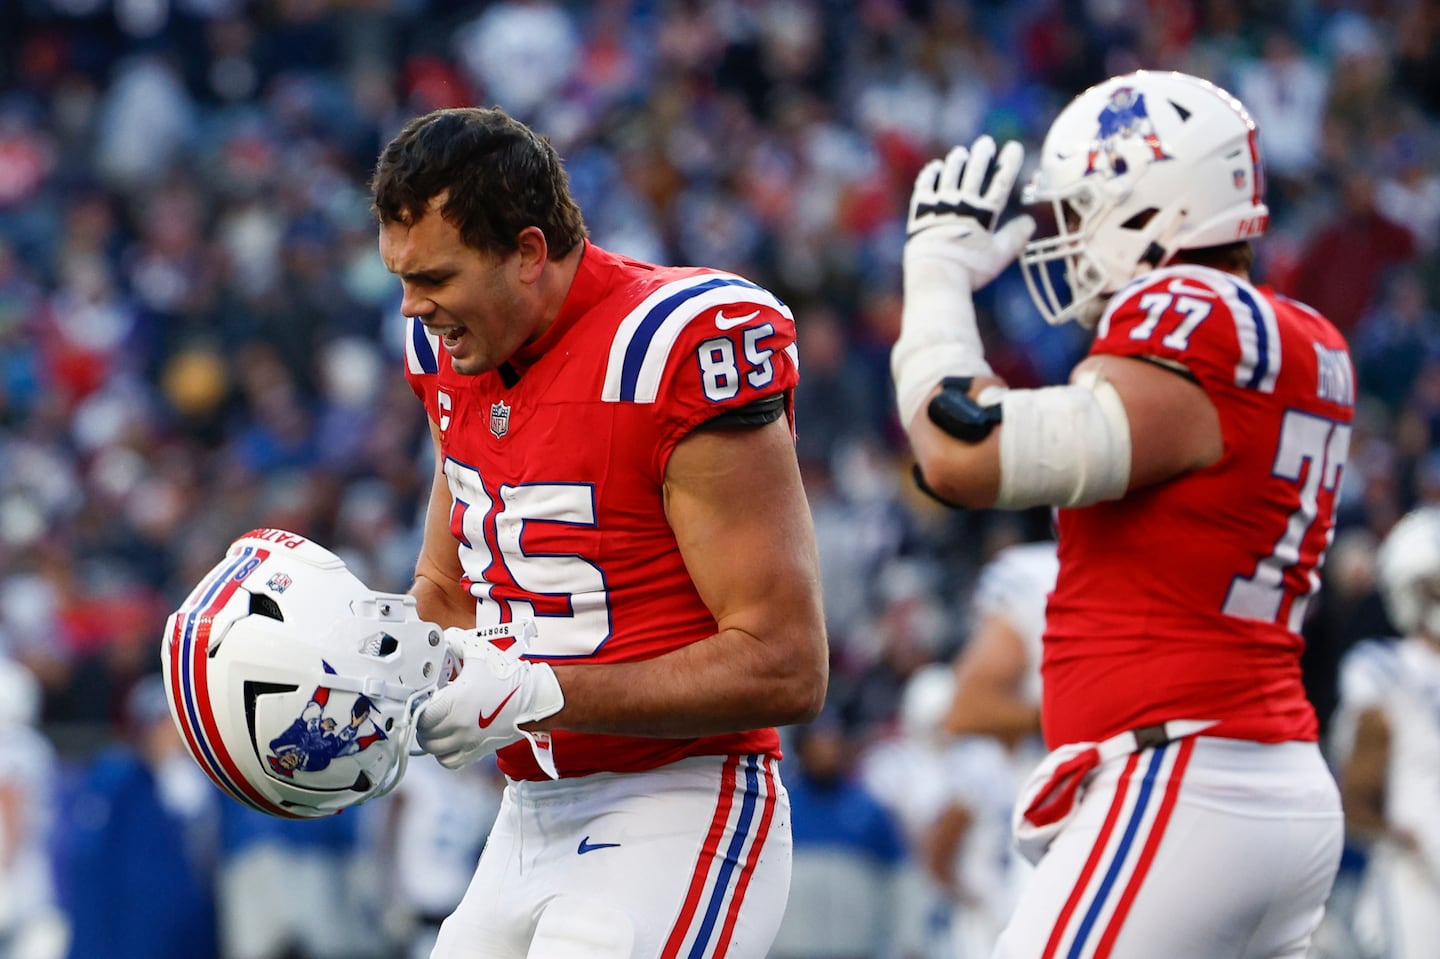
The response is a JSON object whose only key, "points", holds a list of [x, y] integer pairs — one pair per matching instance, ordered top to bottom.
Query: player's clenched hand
{"points": [[956, 205], [496, 691]]}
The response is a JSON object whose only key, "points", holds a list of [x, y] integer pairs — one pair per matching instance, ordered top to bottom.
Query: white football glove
{"points": [[953, 249], [495, 691]]}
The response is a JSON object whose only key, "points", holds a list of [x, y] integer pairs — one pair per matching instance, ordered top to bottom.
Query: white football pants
{"points": [[1202, 848], [692, 859]]}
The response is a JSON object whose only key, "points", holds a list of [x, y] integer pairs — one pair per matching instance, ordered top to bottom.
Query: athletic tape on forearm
{"points": [[938, 335], [1063, 445]]}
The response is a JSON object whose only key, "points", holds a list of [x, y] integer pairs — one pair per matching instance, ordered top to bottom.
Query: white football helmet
{"points": [[1136, 168], [1407, 568], [292, 684], [925, 701]]}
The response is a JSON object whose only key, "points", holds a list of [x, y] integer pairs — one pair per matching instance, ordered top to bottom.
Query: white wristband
{"points": [[938, 332], [919, 371], [545, 699]]}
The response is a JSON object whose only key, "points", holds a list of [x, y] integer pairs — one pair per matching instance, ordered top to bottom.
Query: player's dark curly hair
{"points": [[499, 177]]}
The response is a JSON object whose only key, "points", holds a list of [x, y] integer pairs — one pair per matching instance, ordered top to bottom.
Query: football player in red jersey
{"points": [[618, 538], [1185, 808]]}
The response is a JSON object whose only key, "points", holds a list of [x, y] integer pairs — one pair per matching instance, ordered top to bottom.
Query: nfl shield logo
{"points": [[499, 419], [279, 582]]}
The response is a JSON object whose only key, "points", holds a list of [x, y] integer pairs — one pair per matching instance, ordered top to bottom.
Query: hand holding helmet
{"points": [[496, 691]]}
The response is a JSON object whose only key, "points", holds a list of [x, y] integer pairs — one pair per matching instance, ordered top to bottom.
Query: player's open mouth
{"points": [[451, 335]]}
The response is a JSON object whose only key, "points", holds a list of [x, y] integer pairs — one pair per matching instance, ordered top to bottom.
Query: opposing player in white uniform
{"points": [[617, 507], [997, 673], [995, 709], [1387, 734], [968, 735], [950, 796], [1185, 808], [436, 823]]}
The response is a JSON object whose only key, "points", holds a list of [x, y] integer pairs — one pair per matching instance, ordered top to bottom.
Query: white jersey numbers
{"points": [[1192, 312], [719, 370], [1311, 454], [565, 593]]}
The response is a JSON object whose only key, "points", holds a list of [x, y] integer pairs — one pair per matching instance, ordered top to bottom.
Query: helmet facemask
{"points": [[1089, 271]]}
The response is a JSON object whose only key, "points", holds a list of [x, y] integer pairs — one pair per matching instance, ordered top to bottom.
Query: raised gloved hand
{"points": [[954, 211], [953, 248], [494, 692]]}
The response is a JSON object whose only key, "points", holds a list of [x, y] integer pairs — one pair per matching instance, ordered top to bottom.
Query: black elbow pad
{"points": [[958, 415]]}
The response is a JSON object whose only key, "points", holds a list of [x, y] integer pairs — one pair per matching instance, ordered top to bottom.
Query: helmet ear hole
{"points": [[1138, 221], [262, 605], [381, 645]]}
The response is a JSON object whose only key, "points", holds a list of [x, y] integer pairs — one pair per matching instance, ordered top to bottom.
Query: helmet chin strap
{"points": [[1088, 313]]}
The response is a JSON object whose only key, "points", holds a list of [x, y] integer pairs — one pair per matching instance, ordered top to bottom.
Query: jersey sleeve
{"points": [[1213, 325], [700, 346]]}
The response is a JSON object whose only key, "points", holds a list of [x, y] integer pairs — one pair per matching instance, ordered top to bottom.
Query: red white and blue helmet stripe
{"points": [[187, 663]]}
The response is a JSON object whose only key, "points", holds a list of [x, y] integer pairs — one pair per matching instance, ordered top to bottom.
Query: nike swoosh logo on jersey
{"points": [[1178, 286], [726, 322], [485, 720], [587, 846]]}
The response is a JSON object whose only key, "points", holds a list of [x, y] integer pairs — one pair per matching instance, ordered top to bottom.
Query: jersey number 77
{"points": [[1312, 455]]}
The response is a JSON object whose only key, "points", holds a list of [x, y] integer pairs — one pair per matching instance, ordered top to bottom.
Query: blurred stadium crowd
{"points": [[197, 336]]}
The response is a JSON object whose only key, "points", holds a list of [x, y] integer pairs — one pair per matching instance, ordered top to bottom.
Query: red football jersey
{"points": [[557, 478], [1184, 600]]}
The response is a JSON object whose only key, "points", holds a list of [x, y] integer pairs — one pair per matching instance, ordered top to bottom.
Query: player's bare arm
{"points": [[1154, 398], [735, 501], [438, 596], [988, 678], [1363, 776], [940, 848]]}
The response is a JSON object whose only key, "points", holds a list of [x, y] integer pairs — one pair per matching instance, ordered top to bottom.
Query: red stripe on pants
{"points": [[1098, 850], [1147, 855], [707, 856], [750, 861]]}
